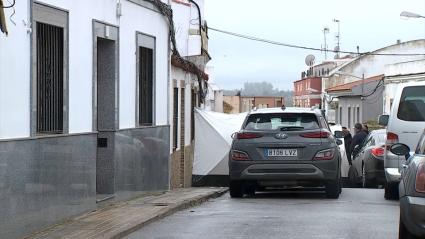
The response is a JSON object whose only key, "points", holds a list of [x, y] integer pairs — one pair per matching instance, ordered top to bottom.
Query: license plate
{"points": [[281, 152]]}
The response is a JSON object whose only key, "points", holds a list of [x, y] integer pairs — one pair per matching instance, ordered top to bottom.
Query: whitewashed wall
{"points": [[185, 19], [15, 63], [373, 65], [401, 72], [15, 75]]}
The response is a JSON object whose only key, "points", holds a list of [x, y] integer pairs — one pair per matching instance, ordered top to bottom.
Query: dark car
{"points": [[284, 147], [368, 161], [412, 191]]}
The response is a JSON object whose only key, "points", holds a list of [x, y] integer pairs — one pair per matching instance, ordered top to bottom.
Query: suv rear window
{"points": [[412, 104], [276, 121]]}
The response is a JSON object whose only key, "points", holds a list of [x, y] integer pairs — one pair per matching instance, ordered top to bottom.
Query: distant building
{"points": [[368, 66], [402, 72], [307, 92], [214, 98], [232, 102], [259, 102], [354, 103], [239, 104]]}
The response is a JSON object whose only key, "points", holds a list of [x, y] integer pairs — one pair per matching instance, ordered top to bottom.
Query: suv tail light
{"points": [[318, 134], [248, 135], [391, 139], [378, 151], [327, 154], [239, 155], [420, 179]]}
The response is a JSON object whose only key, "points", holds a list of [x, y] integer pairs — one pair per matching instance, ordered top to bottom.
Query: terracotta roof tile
{"points": [[349, 86]]}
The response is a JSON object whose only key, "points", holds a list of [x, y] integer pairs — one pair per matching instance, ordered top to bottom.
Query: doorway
{"points": [[105, 106]]}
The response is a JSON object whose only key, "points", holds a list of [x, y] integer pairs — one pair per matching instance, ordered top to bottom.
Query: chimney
{"points": [[398, 41]]}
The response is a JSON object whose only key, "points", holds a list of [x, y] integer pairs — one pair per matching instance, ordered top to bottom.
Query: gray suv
{"points": [[284, 147]]}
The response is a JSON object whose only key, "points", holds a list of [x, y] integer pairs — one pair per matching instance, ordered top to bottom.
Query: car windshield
{"points": [[412, 104], [282, 121]]}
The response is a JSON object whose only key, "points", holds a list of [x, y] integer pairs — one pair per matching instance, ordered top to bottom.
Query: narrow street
{"points": [[358, 213]]}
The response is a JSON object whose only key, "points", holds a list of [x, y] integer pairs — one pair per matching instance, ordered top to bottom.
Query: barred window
{"points": [[50, 68], [146, 80], [49, 82]]}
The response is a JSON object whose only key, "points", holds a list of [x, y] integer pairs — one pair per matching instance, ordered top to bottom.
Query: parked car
{"points": [[404, 125], [336, 130], [284, 147], [368, 161], [412, 191]]}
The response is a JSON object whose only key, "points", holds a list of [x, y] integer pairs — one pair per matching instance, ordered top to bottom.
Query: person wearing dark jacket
{"points": [[366, 128], [358, 138], [347, 142]]}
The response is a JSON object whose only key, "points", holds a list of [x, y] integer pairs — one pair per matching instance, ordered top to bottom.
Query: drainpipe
{"points": [[200, 22]]}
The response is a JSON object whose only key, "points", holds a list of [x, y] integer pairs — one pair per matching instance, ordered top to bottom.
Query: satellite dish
{"points": [[309, 60]]}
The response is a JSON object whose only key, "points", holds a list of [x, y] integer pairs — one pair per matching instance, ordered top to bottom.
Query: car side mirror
{"points": [[383, 120], [338, 134], [339, 142], [400, 149]]}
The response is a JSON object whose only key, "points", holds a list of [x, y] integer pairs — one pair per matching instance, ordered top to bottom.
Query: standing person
{"points": [[366, 128], [358, 138], [347, 142]]}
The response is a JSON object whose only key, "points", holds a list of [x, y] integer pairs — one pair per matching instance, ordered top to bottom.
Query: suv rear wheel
{"points": [[235, 189], [333, 189], [403, 233]]}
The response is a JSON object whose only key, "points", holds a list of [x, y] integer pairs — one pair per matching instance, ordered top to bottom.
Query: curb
{"points": [[171, 210]]}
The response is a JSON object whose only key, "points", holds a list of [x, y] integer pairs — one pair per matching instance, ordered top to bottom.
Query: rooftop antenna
{"points": [[338, 40], [325, 47]]}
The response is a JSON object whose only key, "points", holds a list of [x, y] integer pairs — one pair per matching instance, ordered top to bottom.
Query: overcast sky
{"points": [[370, 24]]}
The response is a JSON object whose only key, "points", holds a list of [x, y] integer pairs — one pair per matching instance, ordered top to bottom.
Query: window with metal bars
{"points": [[50, 78], [146, 83], [175, 116]]}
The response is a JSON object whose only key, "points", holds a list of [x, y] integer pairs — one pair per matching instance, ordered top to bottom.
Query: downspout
{"points": [[200, 22], [201, 92]]}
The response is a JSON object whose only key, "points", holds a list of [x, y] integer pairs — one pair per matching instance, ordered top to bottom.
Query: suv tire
{"points": [[235, 189], [333, 189], [391, 191], [403, 233]]}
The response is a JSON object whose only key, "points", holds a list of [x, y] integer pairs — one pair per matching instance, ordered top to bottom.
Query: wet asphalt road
{"points": [[358, 213]]}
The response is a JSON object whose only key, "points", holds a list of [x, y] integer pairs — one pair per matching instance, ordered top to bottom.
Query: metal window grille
{"points": [[50, 77], [146, 87], [175, 116]]}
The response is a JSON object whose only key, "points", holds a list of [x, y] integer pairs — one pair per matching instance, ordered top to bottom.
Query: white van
{"points": [[405, 124]]}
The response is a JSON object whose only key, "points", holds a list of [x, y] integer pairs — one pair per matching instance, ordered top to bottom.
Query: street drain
{"points": [[160, 204]]}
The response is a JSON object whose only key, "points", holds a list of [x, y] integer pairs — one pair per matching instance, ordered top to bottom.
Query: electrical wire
{"points": [[11, 5], [253, 38], [380, 83]]}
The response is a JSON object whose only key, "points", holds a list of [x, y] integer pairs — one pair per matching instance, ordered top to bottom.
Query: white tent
{"points": [[212, 145]]}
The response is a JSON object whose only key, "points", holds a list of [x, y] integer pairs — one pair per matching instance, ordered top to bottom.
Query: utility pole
{"points": [[338, 39]]}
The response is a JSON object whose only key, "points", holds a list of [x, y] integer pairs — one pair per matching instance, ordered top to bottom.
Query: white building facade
{"points": [[370, 65], [402, 72], [189, 87], [84, 107]]}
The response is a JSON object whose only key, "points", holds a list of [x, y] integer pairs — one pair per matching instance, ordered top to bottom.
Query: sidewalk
{"points": [[124, 218]]}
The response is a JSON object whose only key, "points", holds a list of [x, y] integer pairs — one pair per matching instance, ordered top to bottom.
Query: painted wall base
{"points": [[45, 180]]}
